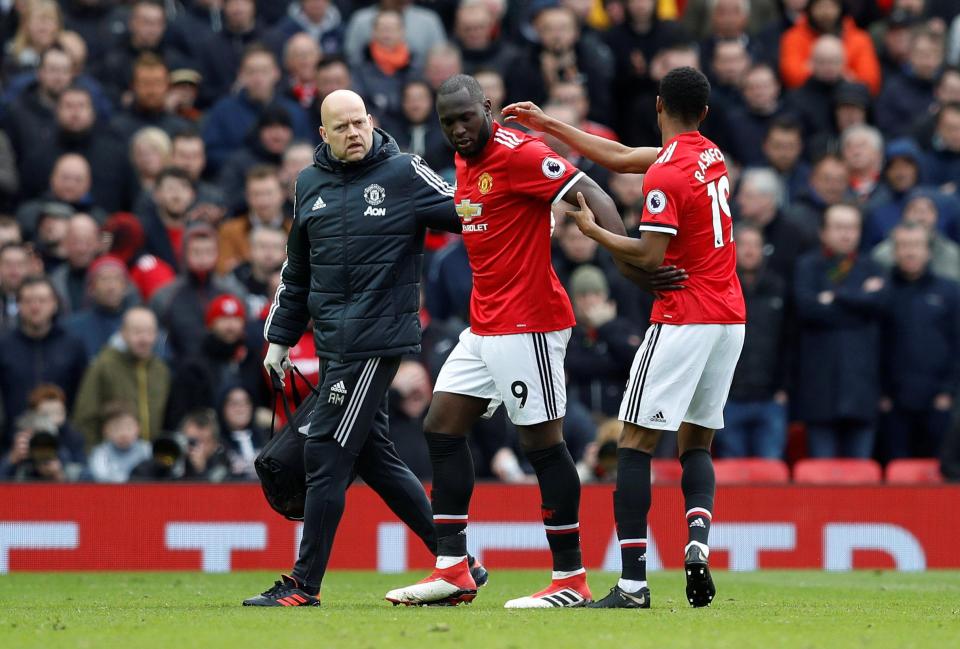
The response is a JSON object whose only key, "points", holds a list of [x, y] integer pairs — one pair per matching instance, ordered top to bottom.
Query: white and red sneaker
{"points": [[444, 587], [568, 592]]}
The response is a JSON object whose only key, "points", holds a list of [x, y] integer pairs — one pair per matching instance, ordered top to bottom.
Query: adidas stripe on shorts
{"points": [[523, 371], [682, 373]]}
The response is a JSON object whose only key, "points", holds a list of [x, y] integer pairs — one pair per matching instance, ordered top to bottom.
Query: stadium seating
{"points": [[751, 470], [666, 471], [837, 471], [919, 471]]}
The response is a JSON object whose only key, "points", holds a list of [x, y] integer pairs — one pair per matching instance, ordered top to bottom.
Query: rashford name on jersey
{"points": [[687, 194], [504, 195]]}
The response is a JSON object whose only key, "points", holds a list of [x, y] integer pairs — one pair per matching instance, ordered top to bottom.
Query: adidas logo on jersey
{"points": [[318, 204], [338, 392], [658, 418], [697, 522]]}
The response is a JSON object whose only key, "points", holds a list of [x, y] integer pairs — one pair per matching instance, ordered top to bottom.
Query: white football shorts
{"points": [[523, 371], [682, 373]]}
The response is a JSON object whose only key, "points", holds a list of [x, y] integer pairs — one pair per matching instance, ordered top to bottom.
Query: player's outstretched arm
{"points": [[612, 155], [646, 253]]}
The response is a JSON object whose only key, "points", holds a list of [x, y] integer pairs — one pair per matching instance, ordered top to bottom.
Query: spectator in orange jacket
{"points": [[827, 17]]}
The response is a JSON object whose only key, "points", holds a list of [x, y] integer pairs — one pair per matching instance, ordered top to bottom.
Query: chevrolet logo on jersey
{"points": [[467, 211]]}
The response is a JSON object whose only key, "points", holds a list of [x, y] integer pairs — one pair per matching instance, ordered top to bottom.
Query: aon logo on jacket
{"points": [[375, 211]]}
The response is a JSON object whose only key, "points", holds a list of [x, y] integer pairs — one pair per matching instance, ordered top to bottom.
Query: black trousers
{"points": [[349, 436]]}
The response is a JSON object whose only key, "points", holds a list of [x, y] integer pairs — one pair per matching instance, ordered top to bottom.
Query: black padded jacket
{"points": [[355, 252]]}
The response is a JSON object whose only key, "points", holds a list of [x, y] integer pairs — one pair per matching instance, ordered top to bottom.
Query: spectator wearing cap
{"points": [[827, 17], [320, 20], [146, 25], [421, 25], [892, 36], [481, 42], [221, 53], [301, 54], [561, 55], [386, 66], [946, 91], [910, 92], [183, 93], [148, 105], [850, 107], [230, 120], [751, 121], [264, 145], [943, 161], [902, 170], [70, 182], [265, 200], [758, 204], [921, 209], [165, 218], [50, 240], [82, 245], [14, 268], [147, 273], [109, 291], [180, 306], [601, 345], [38, 351], [921, 351], [221, 360], [127, 370], [755, 417], [122, 448]]}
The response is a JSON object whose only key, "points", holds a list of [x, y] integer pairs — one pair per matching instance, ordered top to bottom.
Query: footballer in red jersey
{"points": [[513, 352], [681, 375]]}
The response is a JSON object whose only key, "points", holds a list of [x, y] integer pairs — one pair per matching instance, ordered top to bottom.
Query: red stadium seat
{"points": [[750, 470], [666, 471], [837, 471], [920, 471]]}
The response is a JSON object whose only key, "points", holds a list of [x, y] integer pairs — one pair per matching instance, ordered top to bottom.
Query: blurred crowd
{"points": [[148, 152]]}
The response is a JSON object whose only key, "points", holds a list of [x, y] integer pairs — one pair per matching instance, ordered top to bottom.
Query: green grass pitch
{"points": [[769, 610]]}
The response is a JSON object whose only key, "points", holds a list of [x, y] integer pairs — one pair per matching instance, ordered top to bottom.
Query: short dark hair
{"points": [[257, 48], [328, 61], [459, 82], [685, 93], [785, 123], [187, 133], [261, 171], [174, 172], [910, 226], [37, 280], [115, 410], [202, 418]]}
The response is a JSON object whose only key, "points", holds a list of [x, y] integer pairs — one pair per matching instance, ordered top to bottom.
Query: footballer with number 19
{"points": [[513, 352], [681, 375]]}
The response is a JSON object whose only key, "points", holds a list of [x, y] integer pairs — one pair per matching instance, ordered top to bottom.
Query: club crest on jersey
{"points": [[553, 168], [486, 183], [374, 194], [656, 201]]}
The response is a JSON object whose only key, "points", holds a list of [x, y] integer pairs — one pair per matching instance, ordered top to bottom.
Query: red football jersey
{"points": [[687, 195], [503, 198]]}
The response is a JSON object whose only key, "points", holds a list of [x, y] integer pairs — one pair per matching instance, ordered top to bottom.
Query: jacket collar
{"points": [[383, 147]]}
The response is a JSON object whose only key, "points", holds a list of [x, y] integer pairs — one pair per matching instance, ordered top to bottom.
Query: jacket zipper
{"points": [[346, 270]]}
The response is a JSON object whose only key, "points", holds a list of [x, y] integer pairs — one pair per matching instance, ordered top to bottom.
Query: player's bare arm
{"points": [[612, 155], [646, 253], [661, 278]]}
